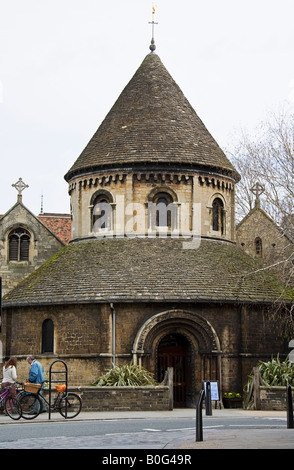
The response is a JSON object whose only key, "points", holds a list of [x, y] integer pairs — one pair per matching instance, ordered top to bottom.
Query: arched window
{"points": [[164, 209], [162, 212], [102, 213], [218, 216], [19, 244], [258, 246], [48, 336]]}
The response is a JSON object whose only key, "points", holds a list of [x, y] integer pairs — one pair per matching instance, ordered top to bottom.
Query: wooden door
{"points": [[172, 352]]}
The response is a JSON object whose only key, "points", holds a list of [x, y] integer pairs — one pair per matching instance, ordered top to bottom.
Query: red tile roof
{"points": [[60, 224]]}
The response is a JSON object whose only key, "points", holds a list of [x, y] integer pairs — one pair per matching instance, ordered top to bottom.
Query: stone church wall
{"points": [[192, 195], [43, 245], [275, 245], [83, 339]]}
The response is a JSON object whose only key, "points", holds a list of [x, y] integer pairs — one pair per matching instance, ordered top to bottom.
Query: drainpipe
{"points": [[113, 334]]}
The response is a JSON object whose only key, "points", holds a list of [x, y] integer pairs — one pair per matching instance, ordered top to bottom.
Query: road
{"points": [[139, 433]]}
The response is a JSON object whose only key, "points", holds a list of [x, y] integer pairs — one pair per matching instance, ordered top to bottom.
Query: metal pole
{"points": [[113, 335], [208, 406], [289, 408], [199, 425]]}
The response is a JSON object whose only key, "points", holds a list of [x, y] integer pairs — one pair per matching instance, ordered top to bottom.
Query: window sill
{"points": [[19, 263]]}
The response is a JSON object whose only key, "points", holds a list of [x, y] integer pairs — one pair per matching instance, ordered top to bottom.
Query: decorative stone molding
{"points": [[162, 177], [96, 181], [216, 183], [203, 331]]}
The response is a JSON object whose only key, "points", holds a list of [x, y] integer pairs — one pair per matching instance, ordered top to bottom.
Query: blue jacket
{"points": [[36, 375]]}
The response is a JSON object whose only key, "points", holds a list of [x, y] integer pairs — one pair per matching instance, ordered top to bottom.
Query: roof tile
{"points": [[151, 122], [109, 270]]}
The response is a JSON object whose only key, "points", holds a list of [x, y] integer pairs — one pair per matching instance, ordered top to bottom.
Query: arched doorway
{"points": [[184, 338], [174, 351]]}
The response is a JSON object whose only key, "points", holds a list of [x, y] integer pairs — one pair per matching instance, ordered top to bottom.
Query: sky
{"points": [[63, 64]]}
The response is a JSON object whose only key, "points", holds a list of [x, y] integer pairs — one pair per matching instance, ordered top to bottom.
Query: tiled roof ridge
{"points": [[54, 214]]}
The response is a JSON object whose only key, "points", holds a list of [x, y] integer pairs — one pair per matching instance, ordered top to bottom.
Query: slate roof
{"points": [[152, 122], [145, 269]]}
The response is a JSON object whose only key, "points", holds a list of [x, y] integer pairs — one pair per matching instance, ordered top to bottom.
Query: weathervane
{"points": [[152, 46], [20, 186], [257, 190]]}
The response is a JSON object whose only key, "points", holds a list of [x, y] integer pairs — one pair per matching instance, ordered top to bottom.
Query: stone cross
{"points": [[20, 186], [257, 190]]}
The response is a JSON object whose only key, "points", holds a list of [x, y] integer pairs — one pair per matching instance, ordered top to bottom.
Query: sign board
{"points": [[213, 389]]}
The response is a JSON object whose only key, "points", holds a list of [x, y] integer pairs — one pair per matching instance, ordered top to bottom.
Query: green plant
{"points": [[272, 373], [277, 373], [125, 375]]}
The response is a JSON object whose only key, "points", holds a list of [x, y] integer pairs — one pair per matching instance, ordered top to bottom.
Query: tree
{"points": [[267, 158]]}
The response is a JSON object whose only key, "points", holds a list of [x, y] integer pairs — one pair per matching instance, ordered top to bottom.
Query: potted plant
{"points": [[232, 400]]}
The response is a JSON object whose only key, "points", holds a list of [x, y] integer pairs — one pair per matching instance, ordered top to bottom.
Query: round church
{"points": [[152, 274]]}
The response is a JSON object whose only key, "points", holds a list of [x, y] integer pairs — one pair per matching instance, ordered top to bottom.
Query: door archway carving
{"points": [[198, 326]]}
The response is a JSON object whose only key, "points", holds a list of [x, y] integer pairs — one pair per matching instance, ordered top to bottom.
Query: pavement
{"points": [[267, 435]]}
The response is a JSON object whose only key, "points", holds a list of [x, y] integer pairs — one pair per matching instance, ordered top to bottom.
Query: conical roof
{"points": [[151, 123]]}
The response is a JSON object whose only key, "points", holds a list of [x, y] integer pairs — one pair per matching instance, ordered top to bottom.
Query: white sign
{"points": [[213, 389]]}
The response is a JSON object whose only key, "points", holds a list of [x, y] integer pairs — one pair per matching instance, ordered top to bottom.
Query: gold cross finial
{"points": [[152, 47], [20, 186]]}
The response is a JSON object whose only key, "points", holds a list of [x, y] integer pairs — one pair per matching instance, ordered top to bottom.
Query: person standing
{"points": [[10, 376], [36, 376]]}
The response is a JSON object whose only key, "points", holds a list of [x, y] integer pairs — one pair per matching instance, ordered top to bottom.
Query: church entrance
{"points": [[184, 341], [173, 351]]}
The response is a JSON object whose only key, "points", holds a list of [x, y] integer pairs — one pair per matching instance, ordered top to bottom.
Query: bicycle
{"points": [[68, 404], [11, 405]]}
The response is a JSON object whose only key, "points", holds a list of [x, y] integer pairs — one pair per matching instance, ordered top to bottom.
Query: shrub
{"points": [[272, 373], [277, 373], [126, 375]]}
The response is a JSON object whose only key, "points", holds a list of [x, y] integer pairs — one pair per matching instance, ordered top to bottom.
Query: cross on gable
{"points": [[20, 186], [257, 190]]}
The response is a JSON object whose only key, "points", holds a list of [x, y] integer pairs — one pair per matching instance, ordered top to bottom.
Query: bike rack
{"points": [[51, 371]]}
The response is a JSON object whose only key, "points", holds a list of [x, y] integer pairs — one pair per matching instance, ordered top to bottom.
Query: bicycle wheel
{"points": [[30, 405], [70, 405], [12, 408]]}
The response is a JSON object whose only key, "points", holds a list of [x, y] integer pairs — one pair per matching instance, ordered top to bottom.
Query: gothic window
{"points": [[102, 212], [218, 216], [19, 244], [258, 246], [48, 336]]}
